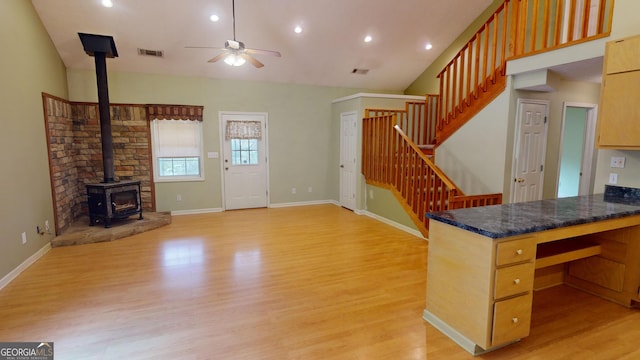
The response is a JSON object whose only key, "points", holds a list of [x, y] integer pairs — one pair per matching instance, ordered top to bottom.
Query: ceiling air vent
{"points": [[147, 52], [360, 71]]}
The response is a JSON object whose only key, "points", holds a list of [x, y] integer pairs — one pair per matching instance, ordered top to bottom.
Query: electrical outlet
{"points": [[617, 162], [613, 178], [310, 189], [293, 190], [178, 197], [46, 225], [38, 229], [24, 237]]}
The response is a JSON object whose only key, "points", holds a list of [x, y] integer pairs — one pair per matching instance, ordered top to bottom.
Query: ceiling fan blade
{"points": [[203, 47], [263, 52], [217, 57], [252, 60]]}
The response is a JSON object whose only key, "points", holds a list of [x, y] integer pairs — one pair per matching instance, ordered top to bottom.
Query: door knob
{"points": [[342, 166], [226, 168], [519, 180]]}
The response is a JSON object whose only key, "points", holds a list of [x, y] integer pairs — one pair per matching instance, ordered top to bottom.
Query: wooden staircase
{"points": [[399, 145]]}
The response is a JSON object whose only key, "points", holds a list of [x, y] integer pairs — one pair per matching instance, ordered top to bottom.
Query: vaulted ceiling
{"points": [[330, 46]]}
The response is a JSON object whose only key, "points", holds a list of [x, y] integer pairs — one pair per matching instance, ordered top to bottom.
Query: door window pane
{"points": [[244, 151]]}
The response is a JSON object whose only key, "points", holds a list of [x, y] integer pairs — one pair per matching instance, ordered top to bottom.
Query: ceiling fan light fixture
{"points": [[234, 60]]}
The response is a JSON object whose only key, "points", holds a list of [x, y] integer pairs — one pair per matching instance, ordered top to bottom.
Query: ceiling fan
{"points": [[234, 52]]}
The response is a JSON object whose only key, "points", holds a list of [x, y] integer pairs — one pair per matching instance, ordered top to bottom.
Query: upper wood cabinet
{"points": [[622, 55], [619, 114]]}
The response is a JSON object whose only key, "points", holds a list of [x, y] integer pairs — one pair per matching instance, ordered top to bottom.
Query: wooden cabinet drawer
{"points": [[510, 252], [514, 280], [511, 319]]}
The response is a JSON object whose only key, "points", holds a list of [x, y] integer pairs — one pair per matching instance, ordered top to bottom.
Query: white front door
{"points": [[348, 140], [530, 149], [244, 159]]}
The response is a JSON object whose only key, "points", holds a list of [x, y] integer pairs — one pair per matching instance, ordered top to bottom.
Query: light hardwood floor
{"points": [[316, 282]]}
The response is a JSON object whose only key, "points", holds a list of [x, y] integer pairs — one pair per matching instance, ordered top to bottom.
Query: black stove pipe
{"points": [[101, 47], [105, 117]]}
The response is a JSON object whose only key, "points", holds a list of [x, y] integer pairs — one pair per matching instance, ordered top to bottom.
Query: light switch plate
{"points": [[212, 155], [613, 178]]}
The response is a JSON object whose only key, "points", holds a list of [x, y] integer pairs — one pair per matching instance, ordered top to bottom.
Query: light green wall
{"points": [[29, 66], [427, 82], [303, 145], [383, 203]]}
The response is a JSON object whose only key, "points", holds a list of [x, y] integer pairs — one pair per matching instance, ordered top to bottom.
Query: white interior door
{"points": [[348, 140], [530, 149], [244, 160]]}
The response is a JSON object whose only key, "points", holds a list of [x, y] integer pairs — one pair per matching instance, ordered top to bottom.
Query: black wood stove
{"points": [[109, 199], [116, 200]]}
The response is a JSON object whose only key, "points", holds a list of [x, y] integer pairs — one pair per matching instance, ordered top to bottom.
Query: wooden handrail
{"points": [[518, 28], [392, 160], [436, 170]]}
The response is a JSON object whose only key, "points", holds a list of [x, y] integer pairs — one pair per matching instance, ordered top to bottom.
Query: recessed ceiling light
{"points": [[107, 3], [214, 18], [297, 29], [368, 38], [428, 46]]}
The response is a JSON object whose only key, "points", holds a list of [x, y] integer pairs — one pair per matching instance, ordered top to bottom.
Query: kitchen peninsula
{"points": [[485, 263]]}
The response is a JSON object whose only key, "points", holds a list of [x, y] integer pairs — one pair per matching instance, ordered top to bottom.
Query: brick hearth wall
{"points": [[131, 146], [75, 153], [62, 155]]}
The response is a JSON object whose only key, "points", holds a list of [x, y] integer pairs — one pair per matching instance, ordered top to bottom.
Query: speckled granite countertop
{"points": [[498, 221]]}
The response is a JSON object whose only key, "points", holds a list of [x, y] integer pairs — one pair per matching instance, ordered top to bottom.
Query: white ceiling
{"points": [[325, 53]]}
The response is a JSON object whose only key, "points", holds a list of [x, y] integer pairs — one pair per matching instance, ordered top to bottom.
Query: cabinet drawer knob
{"points": [[519, 251], [516, 281], [515, 320]]}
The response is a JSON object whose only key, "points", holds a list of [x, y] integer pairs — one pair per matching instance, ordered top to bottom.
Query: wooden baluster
{"points": [[601, 12], [585, 18], [572, 19], [558, 22], [546, 24], [534, 26], [522, 27], [503, 46], [494, 48], [485, 56], [469, 75], [461, 79], [477, 79], [454, 86], [447, 94]]}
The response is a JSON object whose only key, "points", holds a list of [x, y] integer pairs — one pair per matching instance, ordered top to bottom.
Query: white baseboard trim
{"points": [[304, 203], [196, 211], [392, 223], [25, 264]]}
